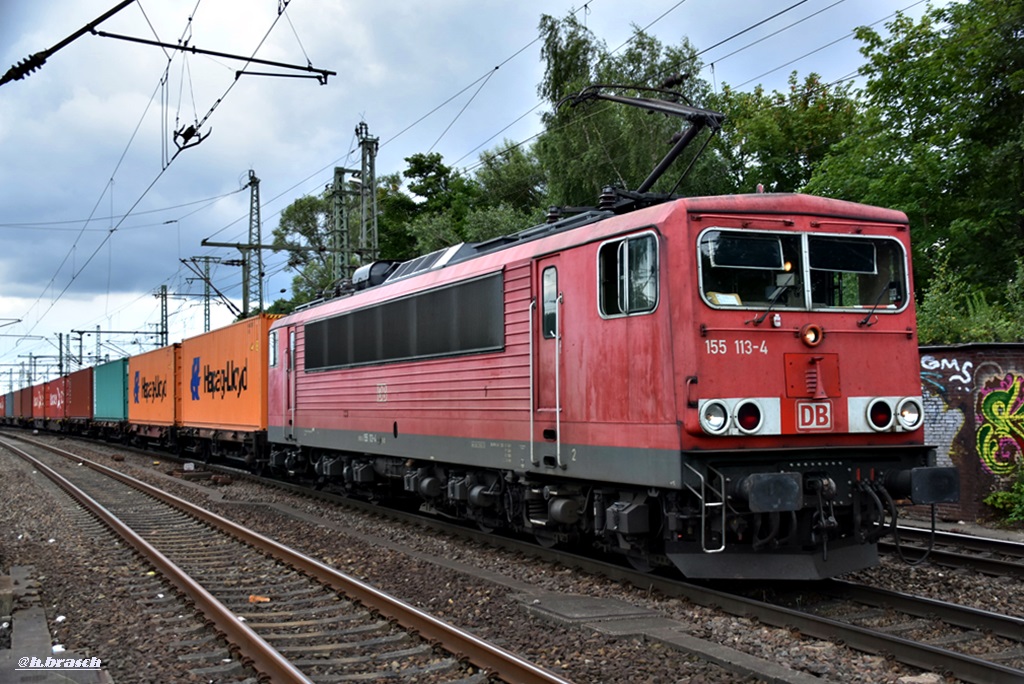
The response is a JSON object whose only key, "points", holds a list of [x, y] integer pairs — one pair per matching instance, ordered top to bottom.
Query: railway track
{"points": [[997, 557], [290, 617], [968, 644], [971, 644]]}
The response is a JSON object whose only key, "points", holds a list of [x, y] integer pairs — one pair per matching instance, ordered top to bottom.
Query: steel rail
{"points": [[1005, 547], [936, 555], [950, 559], [920, 606], [253, 650], [488, 657], [930, 658]]}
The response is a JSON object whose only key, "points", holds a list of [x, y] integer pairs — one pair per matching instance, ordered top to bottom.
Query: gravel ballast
{"points": [[422, 567]]}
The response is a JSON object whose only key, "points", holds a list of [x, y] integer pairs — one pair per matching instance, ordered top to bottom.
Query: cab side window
{"points": [[628, 276], [550, 302], [272, 350]]}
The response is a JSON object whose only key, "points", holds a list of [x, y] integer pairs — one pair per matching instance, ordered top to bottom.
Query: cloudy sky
{"points": [[98, 207]]}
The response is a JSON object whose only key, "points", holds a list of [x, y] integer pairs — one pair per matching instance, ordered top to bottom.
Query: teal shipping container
{"points": [[110, 391]]}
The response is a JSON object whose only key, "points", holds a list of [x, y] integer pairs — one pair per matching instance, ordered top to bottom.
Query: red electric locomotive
{"points": [[726, 384]]}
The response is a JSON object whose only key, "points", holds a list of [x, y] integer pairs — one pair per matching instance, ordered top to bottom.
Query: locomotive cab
{"points": [[803, 416]]}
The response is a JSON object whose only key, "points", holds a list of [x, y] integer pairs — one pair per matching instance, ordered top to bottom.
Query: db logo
{"points": [[813, 416]]}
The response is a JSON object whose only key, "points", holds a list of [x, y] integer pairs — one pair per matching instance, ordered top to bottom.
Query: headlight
{"points": [[811, 334], [909, 413], [714, 418]]}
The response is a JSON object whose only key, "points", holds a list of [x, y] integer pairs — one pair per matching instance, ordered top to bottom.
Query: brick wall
{"points": [[974, 415]]}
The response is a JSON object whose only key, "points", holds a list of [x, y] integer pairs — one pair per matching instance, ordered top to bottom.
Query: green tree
{"points": [[778, 139], [943, 139], [589, 146], [511, 176], [446, 198], [395, 210], [304, 231], [955, 311]]}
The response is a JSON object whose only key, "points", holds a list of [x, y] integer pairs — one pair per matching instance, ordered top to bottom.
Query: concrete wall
{"points": [[974, 415]]}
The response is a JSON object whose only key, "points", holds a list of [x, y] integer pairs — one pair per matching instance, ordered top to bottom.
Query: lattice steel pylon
{"points": [[368, 240], [341, 243], [252, 258]]}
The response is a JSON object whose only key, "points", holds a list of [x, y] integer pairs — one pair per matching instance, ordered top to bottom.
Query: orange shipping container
{"points": [[224, 379], [152, 399], [56, 407]]}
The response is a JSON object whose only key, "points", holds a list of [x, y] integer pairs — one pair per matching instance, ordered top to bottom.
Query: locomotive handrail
{"points": [[533, 307], [796, 331], [558, 390], [704, 505]]}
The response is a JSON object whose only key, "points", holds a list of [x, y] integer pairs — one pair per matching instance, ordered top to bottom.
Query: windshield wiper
{"points": [[772, 301], [866, 321]]}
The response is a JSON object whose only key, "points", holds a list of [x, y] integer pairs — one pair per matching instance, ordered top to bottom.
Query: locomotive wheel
{"points": [[545, 539], [640, 562]]}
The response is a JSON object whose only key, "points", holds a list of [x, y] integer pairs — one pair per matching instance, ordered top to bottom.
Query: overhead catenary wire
{"points": [[633, 37], [826, 45], [705, 50], [390, 139], [56, 225], [114, 228]]}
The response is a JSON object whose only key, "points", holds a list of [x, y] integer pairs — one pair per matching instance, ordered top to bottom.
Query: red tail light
{"points": [[880, 415], [748, 416]]}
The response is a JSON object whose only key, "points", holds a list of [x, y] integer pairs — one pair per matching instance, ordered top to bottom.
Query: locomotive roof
{"points": [[801, 204], [470, 250]]}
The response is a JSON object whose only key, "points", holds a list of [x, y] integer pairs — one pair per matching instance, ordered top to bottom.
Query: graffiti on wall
{"points": [[942, 374], [945, 382], [997, 396], [974, 416], [1000, 423]]}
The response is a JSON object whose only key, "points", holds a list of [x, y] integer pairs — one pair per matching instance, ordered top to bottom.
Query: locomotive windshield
{"points": [[757, 270]]}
